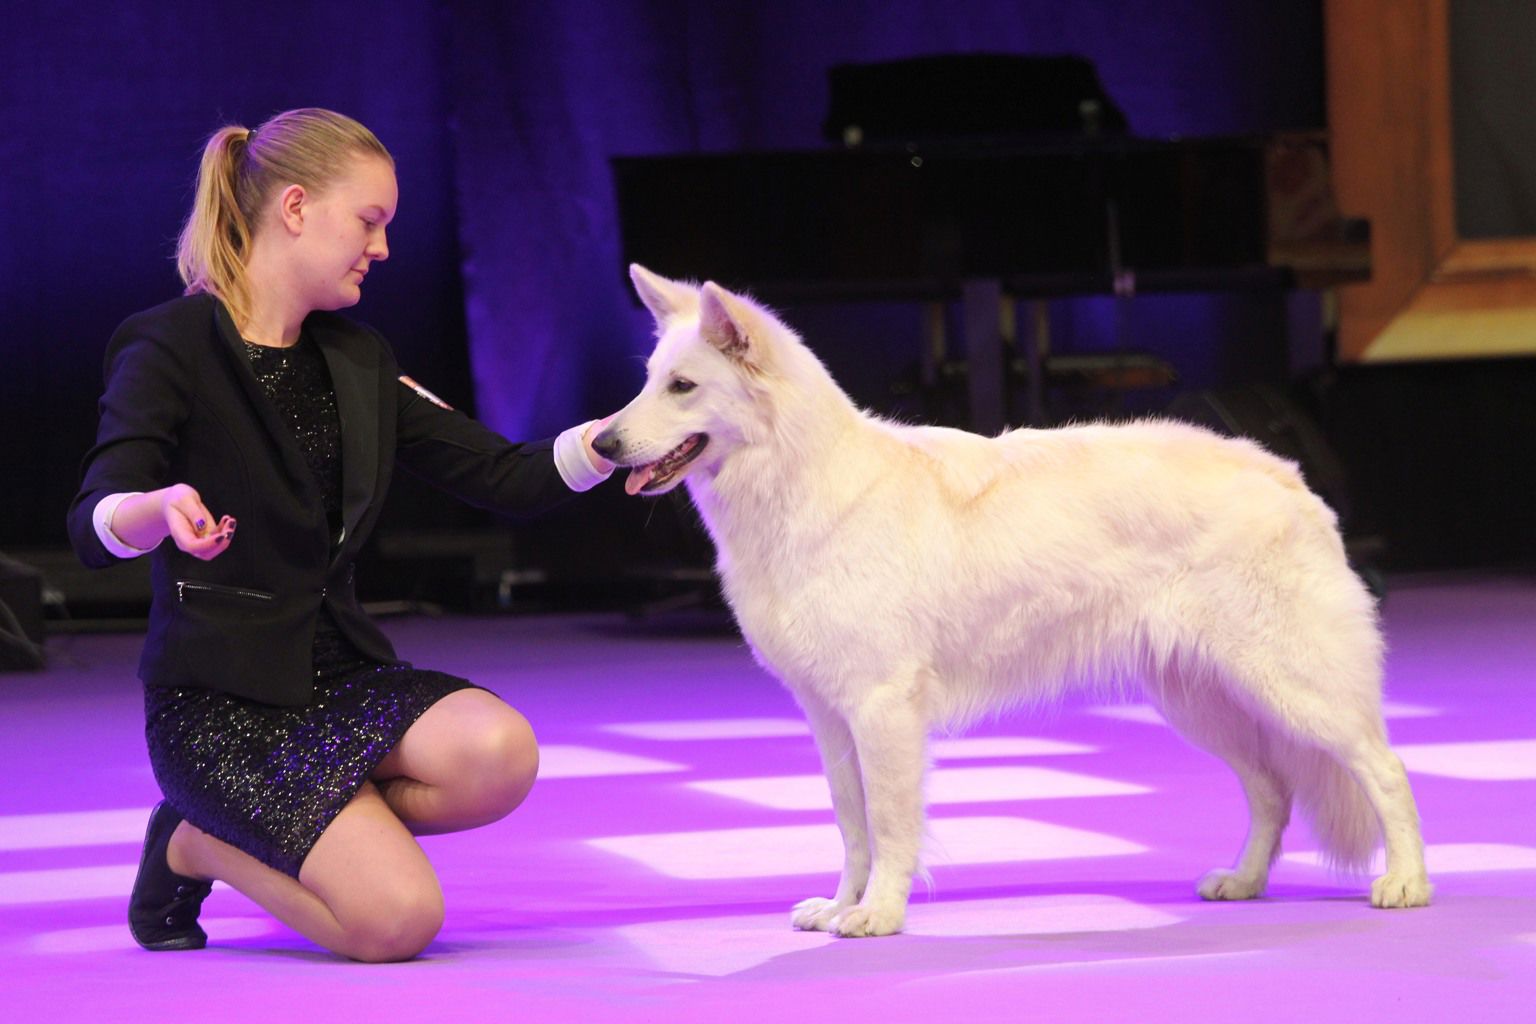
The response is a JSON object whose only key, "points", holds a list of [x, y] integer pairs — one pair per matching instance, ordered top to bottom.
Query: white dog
{"points": [[900, 578]]}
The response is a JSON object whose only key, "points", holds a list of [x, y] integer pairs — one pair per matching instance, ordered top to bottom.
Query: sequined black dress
{"points": [[266, 779]]}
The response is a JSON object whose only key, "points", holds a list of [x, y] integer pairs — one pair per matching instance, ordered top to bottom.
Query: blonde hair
{"points": [[240, 171]]}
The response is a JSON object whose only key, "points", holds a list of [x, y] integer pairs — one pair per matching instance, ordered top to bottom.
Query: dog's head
{"points": [[702, 394]]}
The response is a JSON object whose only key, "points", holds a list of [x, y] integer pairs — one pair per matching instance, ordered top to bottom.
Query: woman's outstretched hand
{"points": [[142, 521], [191, 526]]}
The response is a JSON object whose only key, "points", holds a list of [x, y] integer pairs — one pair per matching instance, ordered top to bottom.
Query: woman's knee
{"points": [[503, 760], [382, 898], [398, 926]]}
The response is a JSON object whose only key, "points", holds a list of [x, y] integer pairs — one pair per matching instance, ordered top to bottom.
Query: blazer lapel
{"points": [[355, 376]]}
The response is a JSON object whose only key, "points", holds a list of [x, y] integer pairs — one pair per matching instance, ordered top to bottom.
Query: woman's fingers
{"points": [[184, 501], [192, 526], [216, 540]]}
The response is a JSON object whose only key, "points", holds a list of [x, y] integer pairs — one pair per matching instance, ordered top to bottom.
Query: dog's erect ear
{"points": [[664, 298], [725, 321]]}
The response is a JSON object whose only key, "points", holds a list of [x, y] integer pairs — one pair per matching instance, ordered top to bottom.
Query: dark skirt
{"points": [[269, 780]]}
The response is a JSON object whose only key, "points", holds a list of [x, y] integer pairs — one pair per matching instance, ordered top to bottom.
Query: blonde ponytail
{"points": [[240, 171], [216, 239]]}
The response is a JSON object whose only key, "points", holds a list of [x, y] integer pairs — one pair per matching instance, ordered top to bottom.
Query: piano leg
{"points": [[982, 303], [1036, 347], [935, 348]]}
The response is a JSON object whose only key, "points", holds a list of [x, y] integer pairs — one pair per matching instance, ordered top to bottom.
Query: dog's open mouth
{"points": [[663, 471]]}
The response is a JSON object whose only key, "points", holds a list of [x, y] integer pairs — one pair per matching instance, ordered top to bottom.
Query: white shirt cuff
{"points": [[571, 460], [101, 518]]}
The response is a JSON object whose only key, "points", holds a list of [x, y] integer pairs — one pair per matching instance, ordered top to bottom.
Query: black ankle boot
{"points": [[162, 913]]}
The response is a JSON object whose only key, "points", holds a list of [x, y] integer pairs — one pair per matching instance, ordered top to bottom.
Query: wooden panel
{"points": [[1432, 295]]}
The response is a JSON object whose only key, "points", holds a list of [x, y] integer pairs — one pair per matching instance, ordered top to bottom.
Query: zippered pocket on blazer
{"points": [[188, 589]]}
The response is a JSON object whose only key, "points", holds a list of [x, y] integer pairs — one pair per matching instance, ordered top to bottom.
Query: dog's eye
{"points": [[681, 386]]}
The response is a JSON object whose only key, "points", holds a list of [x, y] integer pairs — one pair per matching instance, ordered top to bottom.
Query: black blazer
{"points": [[182, 405]]}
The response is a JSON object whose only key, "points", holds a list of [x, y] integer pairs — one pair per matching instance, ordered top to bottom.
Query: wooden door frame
{"points": [[1432, 294]]}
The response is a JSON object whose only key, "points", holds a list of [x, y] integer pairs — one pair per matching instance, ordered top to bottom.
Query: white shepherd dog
{"points": [[899, 579]]}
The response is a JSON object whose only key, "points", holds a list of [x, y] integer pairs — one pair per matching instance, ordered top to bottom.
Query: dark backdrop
{"points": [[546, 93], [103, 111], [502, 117], [504, 291]]}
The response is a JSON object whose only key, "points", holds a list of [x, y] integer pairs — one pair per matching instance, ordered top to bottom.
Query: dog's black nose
{"points": [[607, 444]]}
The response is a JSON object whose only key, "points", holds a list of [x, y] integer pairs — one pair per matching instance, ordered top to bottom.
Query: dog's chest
{"points": [[806, 623]]}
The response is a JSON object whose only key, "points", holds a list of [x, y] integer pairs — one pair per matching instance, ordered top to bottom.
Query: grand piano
{"points": [[985, 217]]}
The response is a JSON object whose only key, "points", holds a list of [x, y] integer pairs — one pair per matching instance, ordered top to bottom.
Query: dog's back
{"points": [[1020, 565]]}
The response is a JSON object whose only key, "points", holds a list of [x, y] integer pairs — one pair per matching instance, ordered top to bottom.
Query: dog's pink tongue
{"points": [[638, 478]]}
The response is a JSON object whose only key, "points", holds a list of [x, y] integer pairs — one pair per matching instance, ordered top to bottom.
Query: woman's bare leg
{"points": [[468, 760], [365, 891]]}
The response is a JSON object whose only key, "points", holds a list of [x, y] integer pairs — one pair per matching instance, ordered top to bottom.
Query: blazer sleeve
{"points": [[145, 401], [474, 463]]}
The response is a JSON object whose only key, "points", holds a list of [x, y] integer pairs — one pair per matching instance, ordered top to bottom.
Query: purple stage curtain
{"points": [[545, 93]]}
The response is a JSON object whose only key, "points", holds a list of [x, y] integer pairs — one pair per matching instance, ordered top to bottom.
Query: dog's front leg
{"points": [[890, 734], [840, 761]]}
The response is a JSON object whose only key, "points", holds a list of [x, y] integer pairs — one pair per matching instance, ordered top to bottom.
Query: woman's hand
{"points": [[596, 427], [144, 520], [191, 525]]}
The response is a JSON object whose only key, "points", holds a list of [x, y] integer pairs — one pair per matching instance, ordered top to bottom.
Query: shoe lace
{"points": [[188, 900]]}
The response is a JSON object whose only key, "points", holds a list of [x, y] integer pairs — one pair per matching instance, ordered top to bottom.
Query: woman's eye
{"points": [[681, 386]]}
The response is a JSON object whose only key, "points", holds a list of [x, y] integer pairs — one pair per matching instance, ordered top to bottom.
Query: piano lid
{"points": [[968, 96], [1003, 166], [1044, 217]]}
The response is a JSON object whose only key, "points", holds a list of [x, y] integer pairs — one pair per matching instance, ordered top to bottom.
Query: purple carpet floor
{"points": [[680, 812]]}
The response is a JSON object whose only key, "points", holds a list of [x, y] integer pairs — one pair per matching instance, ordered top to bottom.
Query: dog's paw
{"points": [[1225, 884], [1392, 890], [815, 914], [861, 921]]}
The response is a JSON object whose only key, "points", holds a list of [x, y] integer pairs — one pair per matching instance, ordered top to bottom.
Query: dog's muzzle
{"points": [[652, 477]]}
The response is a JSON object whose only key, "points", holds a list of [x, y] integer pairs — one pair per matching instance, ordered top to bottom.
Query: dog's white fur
{"points": [[900, 578]]}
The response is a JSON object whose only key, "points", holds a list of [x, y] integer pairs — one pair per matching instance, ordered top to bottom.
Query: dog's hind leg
{"points": [[1291, 635], [1203, 713], [1321, 726], [890, 733], [840, 761], [1380, 774], [1354, 790], [1269, 811]]}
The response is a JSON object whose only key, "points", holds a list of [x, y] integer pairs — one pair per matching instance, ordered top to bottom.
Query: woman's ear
{"points": [[290, 208]]}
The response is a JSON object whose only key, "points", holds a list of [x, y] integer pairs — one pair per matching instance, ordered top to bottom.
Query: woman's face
{"points": [[343, 232]]}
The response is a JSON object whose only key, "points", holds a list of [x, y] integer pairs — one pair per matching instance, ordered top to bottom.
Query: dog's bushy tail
{"points": [[1336, 808]]}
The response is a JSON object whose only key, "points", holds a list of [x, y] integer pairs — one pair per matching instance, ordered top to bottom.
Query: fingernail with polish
{"points": [[201, 524]]}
